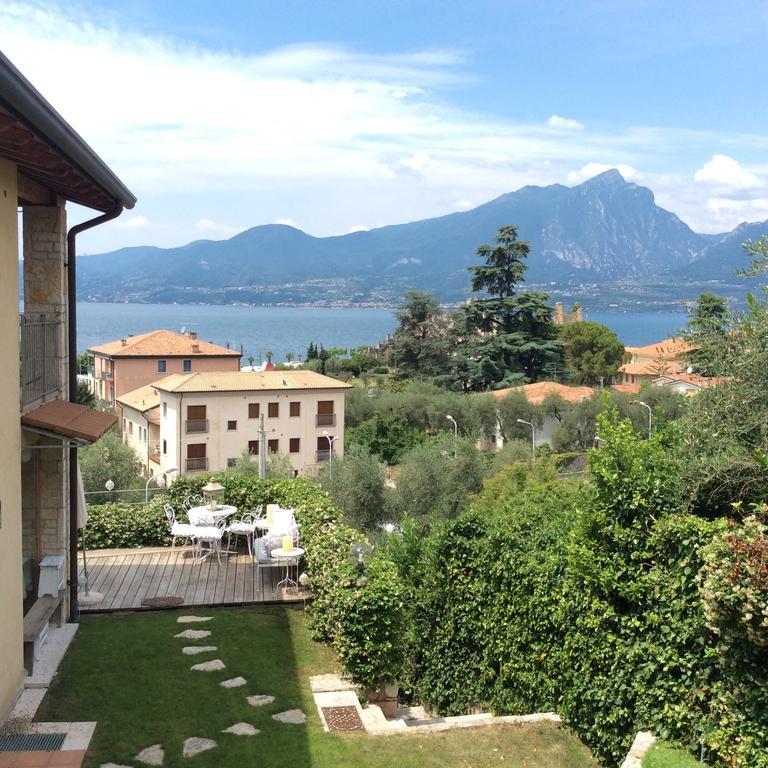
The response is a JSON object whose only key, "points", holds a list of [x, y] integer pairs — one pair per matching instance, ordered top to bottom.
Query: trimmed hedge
{"points": [[114, 526], [364, 623]]}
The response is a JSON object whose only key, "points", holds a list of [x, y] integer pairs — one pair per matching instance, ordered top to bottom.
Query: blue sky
{"points": [[335, 116]]}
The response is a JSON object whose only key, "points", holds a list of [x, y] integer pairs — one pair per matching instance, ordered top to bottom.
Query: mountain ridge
{"points": [[603, 231]]}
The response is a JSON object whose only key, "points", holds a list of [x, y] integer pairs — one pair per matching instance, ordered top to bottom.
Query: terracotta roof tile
{"points": [[162, 343], [666, 349], [651, 367], [247, 381], [626, 389], [537, 393], [142, 399], [69, 420]]}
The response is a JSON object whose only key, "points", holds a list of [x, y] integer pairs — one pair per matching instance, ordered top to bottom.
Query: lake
{"points": [[290, 329]]}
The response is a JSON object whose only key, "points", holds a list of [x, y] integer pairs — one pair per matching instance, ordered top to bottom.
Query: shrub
{"points": [[113, 526]]}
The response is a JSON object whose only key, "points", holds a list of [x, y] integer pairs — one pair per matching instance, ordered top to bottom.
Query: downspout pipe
{"points": [[74, 610]]}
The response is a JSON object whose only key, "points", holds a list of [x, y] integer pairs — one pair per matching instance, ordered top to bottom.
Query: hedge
{"points": [[116, 525]]}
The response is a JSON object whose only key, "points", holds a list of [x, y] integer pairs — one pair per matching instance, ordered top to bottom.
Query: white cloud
{"points": [[564, 123], [418, 162], [593, 169], [725, 171], [463, 205], [131, 222], [288, 223], [211, 227], [358, 228]]}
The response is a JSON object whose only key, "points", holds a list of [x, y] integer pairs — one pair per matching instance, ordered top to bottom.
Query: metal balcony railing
{"points": [[41, 362], [105, 375], [325, 419], [196, 425], [321, 456], [197, 465]]}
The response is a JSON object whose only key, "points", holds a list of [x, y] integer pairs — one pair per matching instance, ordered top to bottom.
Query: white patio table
{"points": [[204, 516], [289, 557]]}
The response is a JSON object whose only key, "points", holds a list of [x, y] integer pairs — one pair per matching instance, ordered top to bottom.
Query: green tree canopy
{"points": [[420, 348], [592, 351], [109, 458]]}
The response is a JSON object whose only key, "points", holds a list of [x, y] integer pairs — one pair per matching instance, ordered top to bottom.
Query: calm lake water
{"points": [[291, 329]]}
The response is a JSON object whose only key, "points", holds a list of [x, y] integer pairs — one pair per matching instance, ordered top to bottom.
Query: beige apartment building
{"points": [[43, 165], [666, 357], [124, 365], [207, 420], [140, 426]]}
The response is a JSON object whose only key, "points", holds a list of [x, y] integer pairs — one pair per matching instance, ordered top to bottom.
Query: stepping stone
{"points": [[192, 619], [194, 634], [193, 650], [209, 666], [234, 682], [260, 701], [292, 716], [242, 729], [195, 745], [153, 755], [114, 765]]}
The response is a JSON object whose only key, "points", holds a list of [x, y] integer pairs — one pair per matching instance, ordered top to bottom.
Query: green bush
{"points": [[114, 526]]}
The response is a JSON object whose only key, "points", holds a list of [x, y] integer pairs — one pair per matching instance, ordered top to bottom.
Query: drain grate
{"points": [[342, 719], [32, 742]]}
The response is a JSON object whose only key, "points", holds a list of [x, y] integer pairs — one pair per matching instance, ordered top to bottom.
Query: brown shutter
{"points": [[325, 407], [295, 408], [253, 411], [196, 413], [196, 450]]}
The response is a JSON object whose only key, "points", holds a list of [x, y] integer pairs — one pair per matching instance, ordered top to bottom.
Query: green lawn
{"points": [[128, 673], [663, 755]]}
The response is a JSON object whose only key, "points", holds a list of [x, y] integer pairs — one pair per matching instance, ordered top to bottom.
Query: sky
{"points": [[341, 115]]}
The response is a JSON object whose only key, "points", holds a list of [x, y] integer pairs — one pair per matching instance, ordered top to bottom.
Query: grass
{"points": [[127, 672], [663, 755]]}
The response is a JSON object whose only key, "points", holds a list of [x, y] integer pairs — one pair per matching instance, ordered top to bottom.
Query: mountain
{"points": [[600, 232]]}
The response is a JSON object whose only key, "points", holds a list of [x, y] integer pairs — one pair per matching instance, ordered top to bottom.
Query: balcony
{"points": [[41, 360], [105, 375], [325, 420], [192, 426], [321, 456], [197, 465]]}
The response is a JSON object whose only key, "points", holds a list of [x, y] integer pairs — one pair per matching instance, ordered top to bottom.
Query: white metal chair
{"points": [[243, 527], [179, 530], [210, 535]]}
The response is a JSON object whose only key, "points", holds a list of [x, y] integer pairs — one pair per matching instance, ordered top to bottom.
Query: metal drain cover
{"points": [[161, 602], [343, 719], [32, 742]]}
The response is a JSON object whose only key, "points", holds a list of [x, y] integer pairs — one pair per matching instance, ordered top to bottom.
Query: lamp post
{"points": [[650, 416], [533, 433], [455, 434], [331, 440], [160, 481], [110, 486]]}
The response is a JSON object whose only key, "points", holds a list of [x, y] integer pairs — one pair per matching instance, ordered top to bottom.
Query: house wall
{"points": [[134, 372], [136, 433], [223, 444], [11, 633]]}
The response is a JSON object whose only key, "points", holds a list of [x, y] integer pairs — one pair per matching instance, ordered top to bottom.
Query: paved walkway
{"points": [[126, 577]]}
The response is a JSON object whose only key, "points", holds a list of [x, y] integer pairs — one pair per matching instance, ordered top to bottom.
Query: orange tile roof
{"points": [[162, 343], [666, 349], [651, 367], [692, 378], [247, 381], [626, 389], [537, 393], [142, 399], [69, 420]]}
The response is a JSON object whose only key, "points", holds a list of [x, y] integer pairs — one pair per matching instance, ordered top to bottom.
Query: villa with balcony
{"points": [[203, 422]]}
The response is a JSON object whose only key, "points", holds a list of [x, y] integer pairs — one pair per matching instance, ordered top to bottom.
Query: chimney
{"points": [[192, 335], [124, 342], [195, 347]]}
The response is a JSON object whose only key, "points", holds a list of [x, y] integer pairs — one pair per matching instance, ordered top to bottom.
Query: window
{"points": [[161, 366], [187, 366], [165, 407], [325, 407], [295, 409], [273, 410], [253, 411], [196, 412], [125, 424], [231, 426], [130, 427], [294, 445], [273, 446], [165, 447], [253, 447], [196, 450], [231, 463]]}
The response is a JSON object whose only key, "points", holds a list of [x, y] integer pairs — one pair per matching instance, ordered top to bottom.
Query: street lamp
{"points": [[650, 416], [533, 433], [455, 434], [331, 440], [160, 481], [110, 486]]}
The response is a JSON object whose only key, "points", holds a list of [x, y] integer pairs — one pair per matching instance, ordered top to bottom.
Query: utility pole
{"points": [[262, 448]]}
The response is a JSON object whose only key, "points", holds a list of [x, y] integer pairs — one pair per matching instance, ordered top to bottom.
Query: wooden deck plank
{"points": [[178, 561], [94, 568], [215, 572], [203, 573], [105, 576], [191, 576], [126, 577], [159, 580], [221, 581], [239, 582], [248, 585], [139, 588]]}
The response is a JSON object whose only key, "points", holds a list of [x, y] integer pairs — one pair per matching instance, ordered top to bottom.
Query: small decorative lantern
{"points": [[213, 490], [287, 543], [360, 555]]}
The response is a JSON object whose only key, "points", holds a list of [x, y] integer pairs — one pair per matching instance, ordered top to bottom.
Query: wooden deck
{"points": [[126, 577]]}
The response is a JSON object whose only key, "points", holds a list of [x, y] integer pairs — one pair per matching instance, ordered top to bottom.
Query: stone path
{"points": [[192, 619], [194, 634], [193, 650], [209, 666], [233, 682], [259, 701], [292, 716], [242, 729], [194, 745], [153, 755]]}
